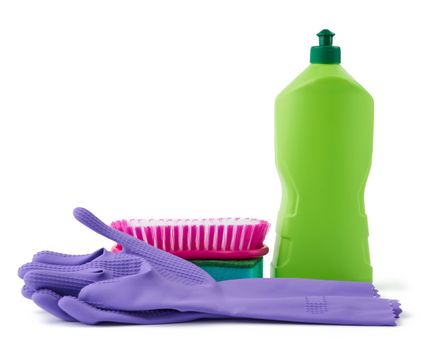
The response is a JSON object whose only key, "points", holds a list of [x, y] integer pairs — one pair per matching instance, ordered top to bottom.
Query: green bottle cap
{"points": [[325, 53]]}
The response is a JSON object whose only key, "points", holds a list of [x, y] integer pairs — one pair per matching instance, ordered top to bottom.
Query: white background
{"points": [[164, 109]]}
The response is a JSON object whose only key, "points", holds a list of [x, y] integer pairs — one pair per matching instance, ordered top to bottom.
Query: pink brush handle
{"points": [[214, 254]]}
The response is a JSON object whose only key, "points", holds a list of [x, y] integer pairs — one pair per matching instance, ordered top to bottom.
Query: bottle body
{"points": [[323, 142]]}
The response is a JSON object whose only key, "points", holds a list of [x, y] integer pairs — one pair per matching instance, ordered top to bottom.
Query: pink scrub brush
{"points": [[201, 239]]}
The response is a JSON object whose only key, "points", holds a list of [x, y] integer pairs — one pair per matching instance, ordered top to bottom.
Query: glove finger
{"points": [[54, 258], [47, 260], [120, 264], [170, 266], [64, 283], [27, 292], [48, 300], [89, 314]]}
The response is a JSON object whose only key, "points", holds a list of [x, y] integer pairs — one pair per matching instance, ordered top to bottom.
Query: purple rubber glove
{"points": [[52, 275], [54, 281], [47, 282], [148, 290], [294, 300], [339, 310]]}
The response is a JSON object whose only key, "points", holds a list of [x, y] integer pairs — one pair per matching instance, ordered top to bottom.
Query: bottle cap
{"points": [[325, 53]]}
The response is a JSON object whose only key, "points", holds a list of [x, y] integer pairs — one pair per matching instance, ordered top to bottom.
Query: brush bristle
{"points": [[210, 235]]}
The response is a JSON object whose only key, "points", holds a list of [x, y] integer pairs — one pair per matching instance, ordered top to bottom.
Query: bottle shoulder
{"points": [[319, 75]]}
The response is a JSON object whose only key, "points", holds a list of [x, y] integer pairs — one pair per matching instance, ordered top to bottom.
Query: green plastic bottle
{"points": [[323, 140]]}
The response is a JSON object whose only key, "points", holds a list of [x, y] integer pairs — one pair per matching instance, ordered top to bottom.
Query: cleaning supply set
{"points": [[226, 248], [169, 271], [170, 289]]}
